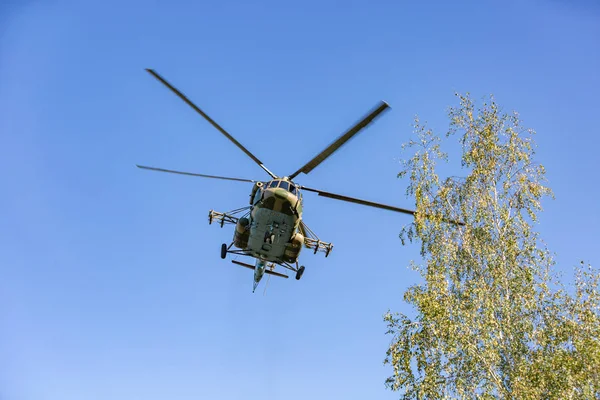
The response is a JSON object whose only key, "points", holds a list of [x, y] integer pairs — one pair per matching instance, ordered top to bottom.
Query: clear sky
{"points": [[111, 284]]}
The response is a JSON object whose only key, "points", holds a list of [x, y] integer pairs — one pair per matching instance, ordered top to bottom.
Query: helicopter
{"points": [[271, 228]]}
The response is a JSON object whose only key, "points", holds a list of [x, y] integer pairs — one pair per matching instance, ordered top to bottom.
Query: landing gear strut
{"points": [[223, 250], [299, 273]]}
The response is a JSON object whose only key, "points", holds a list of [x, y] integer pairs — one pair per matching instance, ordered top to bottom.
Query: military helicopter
{"points": [[271, 228]]}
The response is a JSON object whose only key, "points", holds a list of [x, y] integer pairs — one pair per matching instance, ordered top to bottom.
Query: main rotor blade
{"points": [[210, 120], [340, 141], [194, 174], [358, 201], [369, 203]]}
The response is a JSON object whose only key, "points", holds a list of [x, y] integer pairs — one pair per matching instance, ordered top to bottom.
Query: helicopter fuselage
{"points": [[270, 232]]}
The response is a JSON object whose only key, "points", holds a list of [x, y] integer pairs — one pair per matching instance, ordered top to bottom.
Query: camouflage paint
{"points": [[272, 234]]}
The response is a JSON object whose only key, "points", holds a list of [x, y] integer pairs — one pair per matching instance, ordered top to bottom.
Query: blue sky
{"points": [[112, 285]]}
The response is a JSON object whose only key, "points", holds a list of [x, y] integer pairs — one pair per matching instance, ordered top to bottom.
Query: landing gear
{"points": [[223, 251], [299, 273]]}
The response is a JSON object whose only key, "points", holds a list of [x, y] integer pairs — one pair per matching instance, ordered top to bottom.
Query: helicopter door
{"points": [[256, 194]]}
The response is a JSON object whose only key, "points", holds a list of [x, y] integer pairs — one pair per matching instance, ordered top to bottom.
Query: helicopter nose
{"points": [[281, 193]]}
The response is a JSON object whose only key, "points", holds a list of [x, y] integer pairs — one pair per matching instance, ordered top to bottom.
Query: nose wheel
{"points": [[223, 251], [299, 273]]}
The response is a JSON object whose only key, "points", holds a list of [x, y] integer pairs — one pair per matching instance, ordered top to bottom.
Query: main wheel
{"points": [[223, 251], [299, 273]]}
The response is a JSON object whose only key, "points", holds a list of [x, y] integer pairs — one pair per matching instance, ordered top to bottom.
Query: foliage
{"points": [[492, 321]]}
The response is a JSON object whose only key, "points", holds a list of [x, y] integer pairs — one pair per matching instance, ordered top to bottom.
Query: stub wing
{"points": [[312, 241]]}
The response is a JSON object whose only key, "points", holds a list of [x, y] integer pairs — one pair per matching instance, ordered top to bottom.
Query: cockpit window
{"points": [[290, 187]]}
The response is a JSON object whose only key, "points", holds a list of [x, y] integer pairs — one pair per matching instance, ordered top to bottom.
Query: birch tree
{"points": [[491, 319]]}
